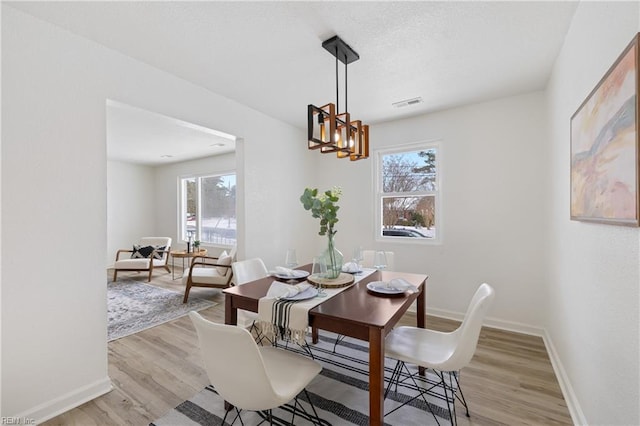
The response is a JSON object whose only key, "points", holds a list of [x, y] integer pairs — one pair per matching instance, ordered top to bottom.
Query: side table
{"points": [[182, 254]]}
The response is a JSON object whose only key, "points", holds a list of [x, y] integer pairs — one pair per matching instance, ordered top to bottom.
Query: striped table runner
{"points": [[289, 319]]}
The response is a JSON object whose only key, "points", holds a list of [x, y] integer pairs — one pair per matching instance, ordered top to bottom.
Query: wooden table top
{"points": [[183, 253], [355, 305]]}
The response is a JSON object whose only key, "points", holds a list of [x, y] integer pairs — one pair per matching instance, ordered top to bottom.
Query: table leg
{"points": [[173, 267], [421, 308], [230, 313], [420, 317], [376, 376]]}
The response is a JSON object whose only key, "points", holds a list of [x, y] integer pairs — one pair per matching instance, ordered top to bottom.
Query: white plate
{"points": [[297, 275], [381, 287], [303, 295]]}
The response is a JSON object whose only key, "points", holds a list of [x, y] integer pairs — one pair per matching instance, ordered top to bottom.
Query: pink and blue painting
{"points": [[604, 147]]}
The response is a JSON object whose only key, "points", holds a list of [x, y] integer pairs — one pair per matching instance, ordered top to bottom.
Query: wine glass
{"points": [[358, 257], [291, 259], [380, 260], [319, 272]]}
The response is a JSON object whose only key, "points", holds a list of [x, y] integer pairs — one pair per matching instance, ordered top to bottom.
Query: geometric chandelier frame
{"points": [[329, 130]]}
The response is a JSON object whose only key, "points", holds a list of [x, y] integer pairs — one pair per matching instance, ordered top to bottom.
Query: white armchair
{"points": [[149, 253], [209, 271]]}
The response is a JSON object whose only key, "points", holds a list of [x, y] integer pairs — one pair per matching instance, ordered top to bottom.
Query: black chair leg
{"points": [[339, 339], [393, 378], [461, 397], [313, 408], [235, 418]]}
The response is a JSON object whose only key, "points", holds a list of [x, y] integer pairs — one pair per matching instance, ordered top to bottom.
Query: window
{"points": [[408, 193], [208, 208]]}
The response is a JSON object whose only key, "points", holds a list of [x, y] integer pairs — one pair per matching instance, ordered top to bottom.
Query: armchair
{"points": [[150, 253], [209, 271]]}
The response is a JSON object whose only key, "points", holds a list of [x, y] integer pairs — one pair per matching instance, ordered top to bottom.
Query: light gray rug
{"points": [[133, 306], [340, 394]]}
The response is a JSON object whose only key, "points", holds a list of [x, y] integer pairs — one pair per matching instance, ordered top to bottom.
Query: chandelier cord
{"points": [[346, 90], [337, 91]]}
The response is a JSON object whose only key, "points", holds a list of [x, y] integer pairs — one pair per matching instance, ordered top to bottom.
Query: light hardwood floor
{"points": [[510, 380]]}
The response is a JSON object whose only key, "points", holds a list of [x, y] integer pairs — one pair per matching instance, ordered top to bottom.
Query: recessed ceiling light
{"points": [[408, 102], [217, 145], [166, 156]]}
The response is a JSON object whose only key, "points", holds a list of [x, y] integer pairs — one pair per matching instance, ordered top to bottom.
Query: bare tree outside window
{"points": [[190, 189], [409, 189], [209, 204]]}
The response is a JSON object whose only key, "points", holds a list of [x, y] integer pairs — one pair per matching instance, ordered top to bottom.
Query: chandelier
{"points": [[329, 130]]}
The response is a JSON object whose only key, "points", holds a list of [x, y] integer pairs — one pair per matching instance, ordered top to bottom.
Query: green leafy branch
{"points": [[323, 207]]}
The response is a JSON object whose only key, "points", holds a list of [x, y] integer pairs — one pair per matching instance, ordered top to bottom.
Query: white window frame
{"points": [[437, 192], [182, 203]]}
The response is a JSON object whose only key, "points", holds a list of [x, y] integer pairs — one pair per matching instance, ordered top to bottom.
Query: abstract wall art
{"points": [[604, 147]]}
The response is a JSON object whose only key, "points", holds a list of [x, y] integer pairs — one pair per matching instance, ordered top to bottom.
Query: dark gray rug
{"points": [[133, 306], [340, 394]]}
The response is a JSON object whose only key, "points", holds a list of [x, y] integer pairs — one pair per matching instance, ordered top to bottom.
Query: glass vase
{"points": [[333, 259]]}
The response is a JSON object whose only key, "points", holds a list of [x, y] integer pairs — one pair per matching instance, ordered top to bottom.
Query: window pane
{"points": [[409, 171], [189, 208], [218, 209], [410, 217]]}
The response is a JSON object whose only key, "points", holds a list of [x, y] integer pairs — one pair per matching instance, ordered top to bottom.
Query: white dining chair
{"points": [[245, 271], [444, 353], [252, 377]]}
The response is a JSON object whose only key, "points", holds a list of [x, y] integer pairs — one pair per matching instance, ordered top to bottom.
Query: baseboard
{"points": [[491, 322], [64, 403], [577, 415]]}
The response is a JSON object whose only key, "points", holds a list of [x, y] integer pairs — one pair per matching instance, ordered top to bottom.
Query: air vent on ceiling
{"points": [[408, 102]]}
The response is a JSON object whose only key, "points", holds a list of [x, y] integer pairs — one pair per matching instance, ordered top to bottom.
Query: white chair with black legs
{"points": [[245, 271], [444, 353], [252, 377]]}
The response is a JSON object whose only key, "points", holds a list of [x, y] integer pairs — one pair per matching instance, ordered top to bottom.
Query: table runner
{"points": [[289, 319]]}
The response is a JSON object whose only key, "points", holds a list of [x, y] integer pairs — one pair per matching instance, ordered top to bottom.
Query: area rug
{"points": [[133, 306], [340, 394]]}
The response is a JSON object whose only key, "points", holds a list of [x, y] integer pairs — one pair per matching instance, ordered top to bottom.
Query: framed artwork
{"points": [[604, 147]]}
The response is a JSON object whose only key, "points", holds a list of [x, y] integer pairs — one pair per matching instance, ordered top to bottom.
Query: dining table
{"points": [[356, 312]]}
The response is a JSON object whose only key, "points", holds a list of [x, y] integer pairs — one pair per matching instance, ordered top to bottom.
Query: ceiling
{"points": [[268, 55], [138, 136]]}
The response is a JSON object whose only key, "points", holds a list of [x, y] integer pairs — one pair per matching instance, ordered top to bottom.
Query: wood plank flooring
{"points": [[509, 381]]}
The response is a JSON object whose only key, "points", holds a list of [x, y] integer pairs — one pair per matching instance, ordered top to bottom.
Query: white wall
{"points": [[54, 165], [167, 190], [131, 206], [493, 206], [275, 217], [593, 305]]}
